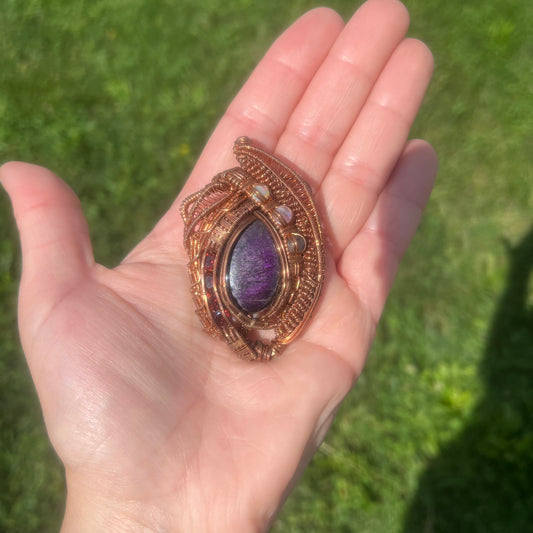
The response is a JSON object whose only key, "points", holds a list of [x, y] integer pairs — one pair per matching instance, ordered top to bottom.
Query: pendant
{"points": [[256, 251]]}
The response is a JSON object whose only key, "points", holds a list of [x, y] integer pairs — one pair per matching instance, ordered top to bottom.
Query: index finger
{"points": [[263, 106]]}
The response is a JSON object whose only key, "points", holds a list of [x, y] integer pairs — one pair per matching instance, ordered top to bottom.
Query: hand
{"points": [[160, 426]]}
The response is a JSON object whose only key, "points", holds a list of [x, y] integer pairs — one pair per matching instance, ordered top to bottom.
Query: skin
{"points": [[160, 427]]}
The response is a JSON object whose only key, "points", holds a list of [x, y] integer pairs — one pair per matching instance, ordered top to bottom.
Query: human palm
{"points": [[160, 426]]}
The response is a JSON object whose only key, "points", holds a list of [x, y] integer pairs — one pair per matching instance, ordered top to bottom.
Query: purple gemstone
{"points": [[254, 268]]}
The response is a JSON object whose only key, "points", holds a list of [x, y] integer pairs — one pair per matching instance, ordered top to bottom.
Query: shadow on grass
{"points": [[482, 481]]}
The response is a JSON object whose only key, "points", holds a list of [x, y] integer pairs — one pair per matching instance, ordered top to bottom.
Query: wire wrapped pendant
{"points": [[256, 251]]}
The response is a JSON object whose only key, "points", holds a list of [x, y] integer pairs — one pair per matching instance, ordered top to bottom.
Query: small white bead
{"points": [[261, 192], [284, 212]]}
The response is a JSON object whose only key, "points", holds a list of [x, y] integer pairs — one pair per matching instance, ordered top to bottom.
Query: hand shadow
{"points": [[482, 481]]}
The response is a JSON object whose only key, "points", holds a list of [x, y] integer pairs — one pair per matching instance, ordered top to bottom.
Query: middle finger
{"points": [[335, 96]]}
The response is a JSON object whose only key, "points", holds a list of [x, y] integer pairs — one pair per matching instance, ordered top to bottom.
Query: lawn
{"points": [[118, 97]]}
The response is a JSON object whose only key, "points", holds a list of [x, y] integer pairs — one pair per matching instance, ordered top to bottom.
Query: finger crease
{"points": [[356, 67], [293, 71], [388, 109], [254, 118], [316, 138], [362, 175], [408, 200], [390, 244]]}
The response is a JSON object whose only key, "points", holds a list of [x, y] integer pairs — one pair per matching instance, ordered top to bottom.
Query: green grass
{"points": [[118, 97]]}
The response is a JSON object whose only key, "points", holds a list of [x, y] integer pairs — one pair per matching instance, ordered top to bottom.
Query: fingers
{"points": [[338, 91], [305, 92], [264, 104], [337, 104], [371, 149], [55, 242], [371, 259], [344, 322], [339, 337]]}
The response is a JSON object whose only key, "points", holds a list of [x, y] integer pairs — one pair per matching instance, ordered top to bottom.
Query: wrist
{"points": [[93, 508], [93, 511]]}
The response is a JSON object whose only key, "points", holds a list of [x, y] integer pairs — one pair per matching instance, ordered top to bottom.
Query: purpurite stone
{"points": [[254, 268]]}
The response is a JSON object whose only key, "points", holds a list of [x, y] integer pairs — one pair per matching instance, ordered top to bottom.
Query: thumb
{"points": [[56, 248]]}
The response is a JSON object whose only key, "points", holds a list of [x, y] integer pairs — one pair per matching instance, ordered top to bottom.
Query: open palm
{"points": [[161, 427]]}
